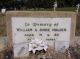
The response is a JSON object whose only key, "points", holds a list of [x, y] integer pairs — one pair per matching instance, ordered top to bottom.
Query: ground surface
{"points": [[75, 52]]}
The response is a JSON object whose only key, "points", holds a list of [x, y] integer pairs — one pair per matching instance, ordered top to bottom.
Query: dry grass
{"points": [[50, 54]]}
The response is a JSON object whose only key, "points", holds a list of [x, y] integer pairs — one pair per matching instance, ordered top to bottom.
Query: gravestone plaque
{"points": [[55, 28]]}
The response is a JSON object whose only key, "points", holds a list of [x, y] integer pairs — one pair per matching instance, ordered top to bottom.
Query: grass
{"points": [[52, 9], [67, 9], [2, 31], [50, 54]]}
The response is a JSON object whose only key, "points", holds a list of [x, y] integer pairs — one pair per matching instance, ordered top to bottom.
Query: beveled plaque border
{"points": [[50, 14]]}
